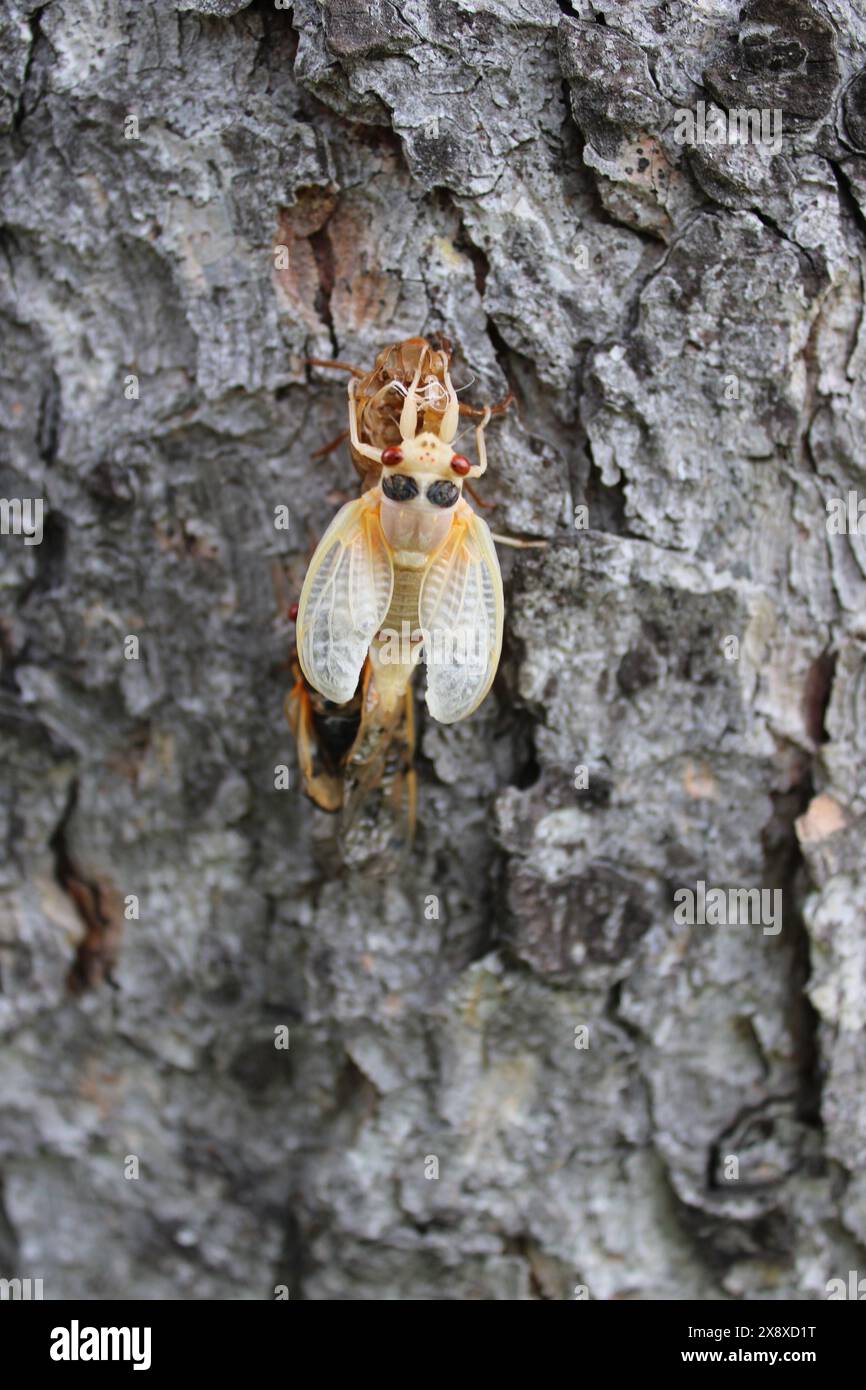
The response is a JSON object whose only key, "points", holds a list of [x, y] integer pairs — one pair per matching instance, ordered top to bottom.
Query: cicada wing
{"points": [[345, 598], [461, 612]]}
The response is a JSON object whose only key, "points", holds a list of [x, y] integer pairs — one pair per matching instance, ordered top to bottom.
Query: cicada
{"points": [[405, 574]]}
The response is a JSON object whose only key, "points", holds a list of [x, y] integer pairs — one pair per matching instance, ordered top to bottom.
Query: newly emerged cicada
{"points": [[405, 574]]}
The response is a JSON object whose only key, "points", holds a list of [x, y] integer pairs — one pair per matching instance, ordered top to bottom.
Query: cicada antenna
{"points": [[409, 413], [448, 428]]}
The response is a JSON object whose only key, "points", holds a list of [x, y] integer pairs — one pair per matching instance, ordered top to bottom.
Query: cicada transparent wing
{"points": [[344, 600], [461, 611]]}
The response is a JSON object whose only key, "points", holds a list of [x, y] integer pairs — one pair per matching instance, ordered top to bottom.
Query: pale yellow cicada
{"points": [[406, 574]]}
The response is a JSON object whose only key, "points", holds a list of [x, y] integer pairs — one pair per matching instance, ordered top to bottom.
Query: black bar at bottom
{"points": [[66, 1339]]}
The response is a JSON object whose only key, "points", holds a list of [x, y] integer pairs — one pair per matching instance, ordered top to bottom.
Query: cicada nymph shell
{"points": [[380, 395]]}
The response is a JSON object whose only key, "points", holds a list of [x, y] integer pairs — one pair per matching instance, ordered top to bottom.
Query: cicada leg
{"points": [[338, 366], [475, 412], [329, 448], [488, 506], [516, 543], [411, 774]]}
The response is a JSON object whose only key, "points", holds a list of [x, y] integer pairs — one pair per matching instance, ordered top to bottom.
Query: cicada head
{"points": [[428, 453]]}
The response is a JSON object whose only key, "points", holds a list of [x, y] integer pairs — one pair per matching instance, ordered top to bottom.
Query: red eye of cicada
{"points": [[392, 456], [460, 465]]}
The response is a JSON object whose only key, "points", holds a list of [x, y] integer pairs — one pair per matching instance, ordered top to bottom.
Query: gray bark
{"points": [[682, 325]]}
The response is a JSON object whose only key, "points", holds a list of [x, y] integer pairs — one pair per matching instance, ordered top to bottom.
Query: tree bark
{"points": [[511, 1071]]}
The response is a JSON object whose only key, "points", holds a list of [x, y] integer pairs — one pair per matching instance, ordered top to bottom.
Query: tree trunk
{"points": [[238, 1058]]}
